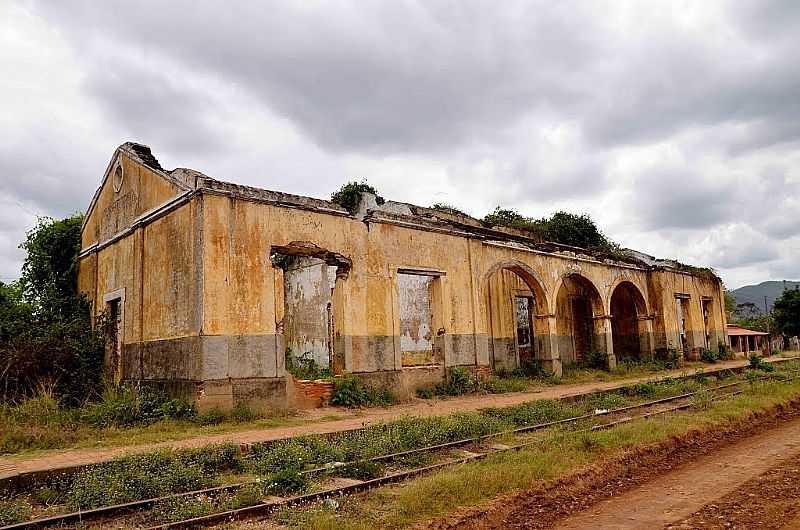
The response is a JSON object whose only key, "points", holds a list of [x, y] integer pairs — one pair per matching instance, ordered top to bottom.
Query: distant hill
{"points": [[755, 293]]}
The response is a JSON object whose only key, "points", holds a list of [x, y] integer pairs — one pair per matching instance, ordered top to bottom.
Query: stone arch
{"points": [[625, 278], [518, 316], [582, 324], [631, 325]]}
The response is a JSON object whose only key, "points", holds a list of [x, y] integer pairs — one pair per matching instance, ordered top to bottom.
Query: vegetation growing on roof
{"points": [[349, 195], [447, 208], [563, 227], [703, 272]]}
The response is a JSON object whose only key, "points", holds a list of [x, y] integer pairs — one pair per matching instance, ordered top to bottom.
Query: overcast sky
{"points": [[676, 125]]}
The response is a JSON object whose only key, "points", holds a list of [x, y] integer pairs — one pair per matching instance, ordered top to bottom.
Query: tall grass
{"points": [[41, 422], [556, 456]]}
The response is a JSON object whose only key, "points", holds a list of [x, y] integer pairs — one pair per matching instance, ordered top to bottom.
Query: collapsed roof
{"points": [[420, 217]]}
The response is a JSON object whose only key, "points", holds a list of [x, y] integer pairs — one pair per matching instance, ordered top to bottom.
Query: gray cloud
{"points": [[153, 106], [669, 125], [679, 198]]}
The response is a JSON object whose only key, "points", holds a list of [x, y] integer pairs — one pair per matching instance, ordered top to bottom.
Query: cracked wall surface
{"points": [[204, 306]]}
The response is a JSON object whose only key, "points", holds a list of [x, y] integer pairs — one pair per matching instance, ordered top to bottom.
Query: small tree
{"points": [[349, 195], [577, 230], [786, 313], [46, 332]]}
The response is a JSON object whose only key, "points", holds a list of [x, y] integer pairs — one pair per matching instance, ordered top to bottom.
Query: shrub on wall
{"points": [[349, 195]]}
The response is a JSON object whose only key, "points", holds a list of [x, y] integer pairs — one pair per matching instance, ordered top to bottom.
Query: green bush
{"points": [[349, 195], [562, 227], [46, 332], [725, 353], [708, 356], [597, 360], [758, 363], [304, 366], [461, 381], [351, 392], [124, 406], [287, 481], [14, 511]]}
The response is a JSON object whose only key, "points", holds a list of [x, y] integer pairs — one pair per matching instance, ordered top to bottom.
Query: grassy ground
{"points": [[120, 417], [40, 424], [29, 439], [278, 464], [476, 483]]}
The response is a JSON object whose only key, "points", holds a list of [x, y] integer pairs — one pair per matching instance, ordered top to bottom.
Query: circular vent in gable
{"points": [[118, 176]]}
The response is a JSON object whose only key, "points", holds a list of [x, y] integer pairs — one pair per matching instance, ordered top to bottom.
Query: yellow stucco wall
{"points": [[142, 190], [148, 267], [201, 292]]}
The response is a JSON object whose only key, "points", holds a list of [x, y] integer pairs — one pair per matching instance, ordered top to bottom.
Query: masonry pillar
{"points": [[646, 337], [603, 340], [547, 344]]}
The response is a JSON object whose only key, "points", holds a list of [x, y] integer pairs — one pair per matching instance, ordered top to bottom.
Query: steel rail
{"points": [[267, 508], [95, 513]]}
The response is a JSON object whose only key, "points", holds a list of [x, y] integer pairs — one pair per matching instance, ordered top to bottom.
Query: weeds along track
{"points": [[345, 478]]}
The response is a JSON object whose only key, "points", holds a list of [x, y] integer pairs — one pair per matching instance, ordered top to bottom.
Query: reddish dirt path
{"points": [[11, 466], [679, 494], [771, 500]]}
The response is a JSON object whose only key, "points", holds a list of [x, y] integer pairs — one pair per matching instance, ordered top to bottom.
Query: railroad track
{"points": [[479, 449]]}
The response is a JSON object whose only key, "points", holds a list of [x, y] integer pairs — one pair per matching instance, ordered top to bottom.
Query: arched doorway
{"points": [[517, 317], [579, 323], [628, 329]]}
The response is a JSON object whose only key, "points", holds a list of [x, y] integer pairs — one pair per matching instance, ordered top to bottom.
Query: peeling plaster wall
{"points": [[152, 272], [308, 287], [204, 305], [416, 319]]}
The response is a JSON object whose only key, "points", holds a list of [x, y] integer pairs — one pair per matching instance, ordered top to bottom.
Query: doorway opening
{"points": [[308, 284], [517, 317], [628, 329], [579, 333], [113, 360]]}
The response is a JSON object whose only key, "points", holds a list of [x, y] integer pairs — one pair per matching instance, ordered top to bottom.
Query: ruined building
{"points": [[209, 283]]}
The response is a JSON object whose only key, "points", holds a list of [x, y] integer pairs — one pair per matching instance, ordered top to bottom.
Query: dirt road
{"points": [[746, 475], [712, 490]]}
